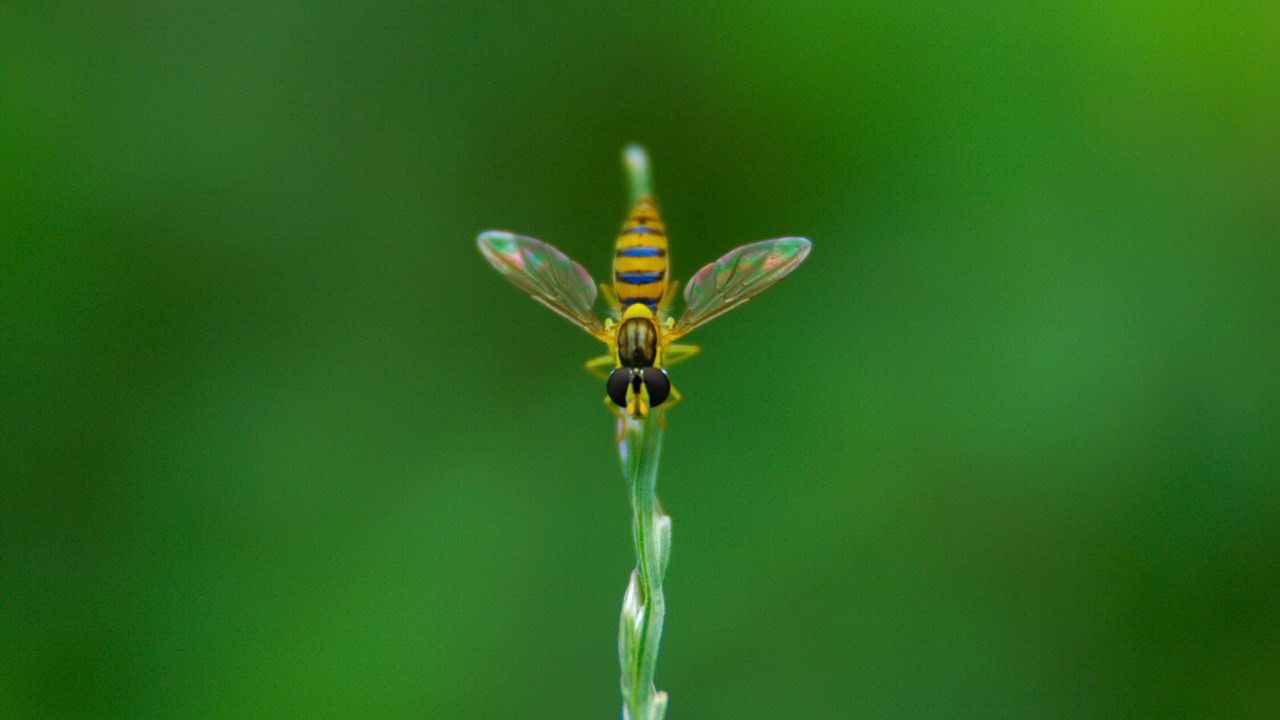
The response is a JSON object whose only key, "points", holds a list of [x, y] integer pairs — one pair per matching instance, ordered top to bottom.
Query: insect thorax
{"points": [[637, 343]]}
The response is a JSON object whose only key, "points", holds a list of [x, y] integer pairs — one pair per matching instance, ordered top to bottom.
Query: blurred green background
{"points": [[277, 443]]}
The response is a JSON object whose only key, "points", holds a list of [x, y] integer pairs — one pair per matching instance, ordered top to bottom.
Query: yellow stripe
{"points": [[633, 239], [639, 264], [651, 290]]}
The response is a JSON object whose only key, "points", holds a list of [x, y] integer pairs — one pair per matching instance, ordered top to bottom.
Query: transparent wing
{"points": [[544, 272], [737, 277]]}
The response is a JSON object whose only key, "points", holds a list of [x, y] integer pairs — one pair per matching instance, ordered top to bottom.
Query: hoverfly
{"points": [[639, 330]]}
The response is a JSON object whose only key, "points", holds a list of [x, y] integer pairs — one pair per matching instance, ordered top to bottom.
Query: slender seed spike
{"points": [[636, 162]]}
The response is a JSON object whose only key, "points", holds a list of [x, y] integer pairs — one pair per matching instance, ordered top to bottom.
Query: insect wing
{"points": [[547, 274], [738, 276]]}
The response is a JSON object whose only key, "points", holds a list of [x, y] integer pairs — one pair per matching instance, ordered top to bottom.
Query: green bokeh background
{"points": [[276, 443]]}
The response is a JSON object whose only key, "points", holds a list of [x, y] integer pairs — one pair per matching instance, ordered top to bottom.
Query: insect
{"points": [[639, 329]]}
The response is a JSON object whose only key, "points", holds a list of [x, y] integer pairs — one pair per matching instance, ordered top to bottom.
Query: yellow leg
{"points": [[611, 297], [667, 298], [680, 353], [601, 366], [675, 398], [671, 402], [620, 415]]}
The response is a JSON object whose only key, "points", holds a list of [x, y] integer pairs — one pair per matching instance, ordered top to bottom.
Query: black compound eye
{"points": [[658, 385], [617, 386]]}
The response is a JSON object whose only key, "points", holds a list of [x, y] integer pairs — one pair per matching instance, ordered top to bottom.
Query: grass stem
{"points": [[636, 162], [643, 607]]}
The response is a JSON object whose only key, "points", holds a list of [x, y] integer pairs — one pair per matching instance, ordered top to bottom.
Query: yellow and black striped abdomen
{"points": [[640, 258]]}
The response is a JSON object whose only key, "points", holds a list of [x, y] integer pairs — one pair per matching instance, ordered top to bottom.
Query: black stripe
{"points": [[643, 230], [641, 251], [640, 278]]}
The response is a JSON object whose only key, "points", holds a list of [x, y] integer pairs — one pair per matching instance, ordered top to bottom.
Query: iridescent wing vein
{"points": [[547, 274], [738, 276]]}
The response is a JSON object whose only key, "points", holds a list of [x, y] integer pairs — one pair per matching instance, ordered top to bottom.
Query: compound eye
{"points": [[658, 385], [617, 386]]}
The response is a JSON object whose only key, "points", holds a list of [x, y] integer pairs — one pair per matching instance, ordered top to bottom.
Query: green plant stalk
{"points": [[636, 163], [643, 607]]}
